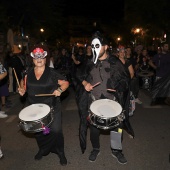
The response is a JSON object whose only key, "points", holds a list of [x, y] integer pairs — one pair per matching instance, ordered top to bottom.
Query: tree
{"points": [[32, 15], [153, 16]]}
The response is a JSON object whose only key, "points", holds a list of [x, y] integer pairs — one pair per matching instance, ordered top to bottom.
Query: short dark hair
{"points": [[101, 38]]}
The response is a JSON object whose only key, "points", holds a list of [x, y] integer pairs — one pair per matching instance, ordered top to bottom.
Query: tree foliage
{"points": [[33, 15], [154, 15]]}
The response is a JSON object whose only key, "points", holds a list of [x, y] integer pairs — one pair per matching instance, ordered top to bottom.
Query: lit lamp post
{"points": [[42, 31], [136, 31], [164, 37], [118, 40]]}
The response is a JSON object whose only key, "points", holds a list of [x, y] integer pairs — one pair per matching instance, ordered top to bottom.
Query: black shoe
{"points": [[93, 155], [38, 156], [120, 157], [63, 160]]}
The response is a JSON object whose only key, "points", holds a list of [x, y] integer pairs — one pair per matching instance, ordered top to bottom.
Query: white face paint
{"points": [[96, 46]]}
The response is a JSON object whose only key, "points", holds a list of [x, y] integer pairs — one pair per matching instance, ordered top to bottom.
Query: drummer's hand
{"points": [[88, 87], [21, 91], [57, 93]]}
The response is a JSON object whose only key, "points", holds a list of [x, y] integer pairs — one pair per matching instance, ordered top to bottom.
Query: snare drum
{"points": [[145, 79], [105, 114], [35, 117]]}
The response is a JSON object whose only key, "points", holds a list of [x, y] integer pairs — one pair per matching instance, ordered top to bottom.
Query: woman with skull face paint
{"points": [[41, 79], [113, 81]]}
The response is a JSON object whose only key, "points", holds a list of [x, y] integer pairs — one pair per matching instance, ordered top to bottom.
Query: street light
{"points": [[42, 30], [138, 32], [42, 36], [118, 40]]}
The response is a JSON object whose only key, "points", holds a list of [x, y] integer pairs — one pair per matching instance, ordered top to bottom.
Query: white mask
{"points": [[96, 46]]}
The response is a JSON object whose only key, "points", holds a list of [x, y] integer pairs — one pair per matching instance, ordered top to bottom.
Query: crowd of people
{"points": [[95, 72]]}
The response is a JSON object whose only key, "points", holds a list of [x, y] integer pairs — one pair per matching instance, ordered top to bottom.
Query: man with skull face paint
{"points": [[111, 73]]}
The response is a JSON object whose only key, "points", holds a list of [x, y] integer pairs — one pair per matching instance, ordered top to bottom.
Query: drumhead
{"points": [[106, 108], [34, 112]]}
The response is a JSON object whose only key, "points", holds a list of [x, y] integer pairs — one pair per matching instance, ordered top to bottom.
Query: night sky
{"points": [[89, 8]]}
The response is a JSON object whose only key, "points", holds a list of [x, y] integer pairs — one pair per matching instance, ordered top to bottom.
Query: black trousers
{"points": [[134, 86], [95, 136], [54, 141]]}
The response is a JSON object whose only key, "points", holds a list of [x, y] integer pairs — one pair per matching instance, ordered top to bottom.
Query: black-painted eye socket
{"points": [[96, 46]]}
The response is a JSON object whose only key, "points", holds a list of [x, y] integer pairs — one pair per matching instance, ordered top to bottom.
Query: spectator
{"points": [[15, 63], [161, 63], [3, 74]]}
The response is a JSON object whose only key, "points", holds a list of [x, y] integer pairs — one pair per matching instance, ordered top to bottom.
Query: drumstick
{"points": [[16, 78], [96, 84], [111, 90], [45, 95]]}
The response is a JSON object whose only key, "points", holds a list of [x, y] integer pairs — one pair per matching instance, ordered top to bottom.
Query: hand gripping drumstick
{"points": [[16, 78]]}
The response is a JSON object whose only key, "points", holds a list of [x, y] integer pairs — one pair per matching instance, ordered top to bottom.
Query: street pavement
{"points": [[149, 150]]}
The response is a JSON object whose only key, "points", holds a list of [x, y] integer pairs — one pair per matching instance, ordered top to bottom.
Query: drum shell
{"points": [[146, 79], [102, 117], [103, 122], [37, 125]]}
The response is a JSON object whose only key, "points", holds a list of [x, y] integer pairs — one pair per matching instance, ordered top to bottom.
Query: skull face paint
{"points": [[96, 47]]}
